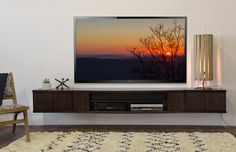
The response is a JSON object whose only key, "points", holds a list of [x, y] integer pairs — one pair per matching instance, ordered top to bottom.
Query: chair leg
{"points": [[14, 125], [27, 135]]}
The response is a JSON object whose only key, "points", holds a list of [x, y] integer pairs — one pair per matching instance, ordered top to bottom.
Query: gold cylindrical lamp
{"points": [[203, 46]]}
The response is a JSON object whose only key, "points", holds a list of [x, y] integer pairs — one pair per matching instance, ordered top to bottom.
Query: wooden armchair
{"points": [[10, 94]]}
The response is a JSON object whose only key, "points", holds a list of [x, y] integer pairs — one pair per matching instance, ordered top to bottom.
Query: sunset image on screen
{"points": [[130, 49]]}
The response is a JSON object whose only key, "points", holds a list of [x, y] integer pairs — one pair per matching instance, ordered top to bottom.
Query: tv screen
{"points": [[130, 49]]}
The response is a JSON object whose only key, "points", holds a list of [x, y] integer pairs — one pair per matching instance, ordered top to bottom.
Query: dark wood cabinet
{"points": [[62, 101], [85, 101], [175, 101], [194, 101], [42, 102], [81, 102], [215, 102]]}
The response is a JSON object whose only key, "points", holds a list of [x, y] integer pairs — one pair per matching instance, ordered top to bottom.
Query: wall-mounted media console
{"points": [[148, 101]]}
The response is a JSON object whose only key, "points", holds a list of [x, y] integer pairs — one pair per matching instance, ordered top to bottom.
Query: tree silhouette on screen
{"points": [[160, 55]]}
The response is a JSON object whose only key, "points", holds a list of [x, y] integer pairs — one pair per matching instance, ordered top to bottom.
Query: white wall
{"points": [[36, 41]]}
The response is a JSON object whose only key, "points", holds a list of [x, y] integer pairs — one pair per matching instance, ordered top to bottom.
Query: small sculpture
{"points": [[62, 83]]}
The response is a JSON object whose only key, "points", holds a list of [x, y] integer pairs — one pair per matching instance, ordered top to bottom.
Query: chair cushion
{"points": [[3, 80], [8, 92], [12, 108]]}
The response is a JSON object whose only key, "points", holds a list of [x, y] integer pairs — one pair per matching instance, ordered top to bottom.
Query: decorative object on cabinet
{"points": [[203, 46], [47, 83], [62, 83]]}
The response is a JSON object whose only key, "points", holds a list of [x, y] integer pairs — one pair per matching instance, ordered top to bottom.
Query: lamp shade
{"points": [[203, 47]]}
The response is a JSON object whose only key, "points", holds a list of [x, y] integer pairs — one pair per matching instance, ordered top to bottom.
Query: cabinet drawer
{"points": [[175, 101], [42, 102], [62, 102], [81, 102], [194, 102], [215, 102]]}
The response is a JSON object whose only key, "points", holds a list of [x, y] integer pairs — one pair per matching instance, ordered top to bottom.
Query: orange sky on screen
{"points": [[106, 37], [167, 51]]}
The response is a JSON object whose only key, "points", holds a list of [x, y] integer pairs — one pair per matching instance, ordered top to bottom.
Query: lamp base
{"points": [[203, 88]]}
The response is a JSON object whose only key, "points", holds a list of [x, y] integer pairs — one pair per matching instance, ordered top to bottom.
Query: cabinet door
{"points": [[62, 101], [175, 101], [42, 102], [81, 102], [195, 102], [216, 102]]}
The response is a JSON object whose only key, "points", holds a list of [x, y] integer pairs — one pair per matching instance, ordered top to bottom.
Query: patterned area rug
{"points": [[124, 142]]}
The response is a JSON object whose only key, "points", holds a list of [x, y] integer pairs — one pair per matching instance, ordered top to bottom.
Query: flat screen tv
{"points": [[130, 49]]}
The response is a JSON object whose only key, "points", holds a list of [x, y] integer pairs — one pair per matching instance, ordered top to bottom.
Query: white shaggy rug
{"points": [[124, 142]]}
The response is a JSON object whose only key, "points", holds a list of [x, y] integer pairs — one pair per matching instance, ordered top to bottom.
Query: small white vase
{"points": [[47, 86]]}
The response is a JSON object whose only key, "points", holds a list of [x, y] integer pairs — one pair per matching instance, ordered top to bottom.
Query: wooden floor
{"points": [[6, 135]]}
